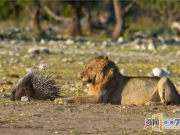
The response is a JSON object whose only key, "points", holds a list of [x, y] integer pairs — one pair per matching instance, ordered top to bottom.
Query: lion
{"points": [[108, 85]]}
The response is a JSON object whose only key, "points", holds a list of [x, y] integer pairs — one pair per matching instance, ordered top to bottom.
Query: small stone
{"points": [[120, 40], [42, 41], [52, 42], [69, 42], [88, 42], [105, 43], [151, 46], [38, 50], [67, 60], [80, 62], [28, 70], [123, 71], [160, 72], [150, 74], [78, 84], [65, 86], [2, 90], [86, 90], [5, 96], [25, 98], [154, 108], [176, 111], [56, 132]]}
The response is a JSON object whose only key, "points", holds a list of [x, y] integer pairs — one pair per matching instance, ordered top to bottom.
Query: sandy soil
{"points": [[45, 118]]}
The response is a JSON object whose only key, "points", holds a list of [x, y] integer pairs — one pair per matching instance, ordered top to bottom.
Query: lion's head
{"points": [[98, 69]]}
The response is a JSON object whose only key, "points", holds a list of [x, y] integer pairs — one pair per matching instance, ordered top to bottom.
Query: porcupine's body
{"points": [[36, 85]]}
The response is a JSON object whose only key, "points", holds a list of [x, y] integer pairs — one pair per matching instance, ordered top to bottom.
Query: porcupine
{"points": [[37, 84]]}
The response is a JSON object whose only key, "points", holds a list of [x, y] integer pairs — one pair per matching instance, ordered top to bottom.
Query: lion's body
{"points": [[109, 86], [141, 90]]}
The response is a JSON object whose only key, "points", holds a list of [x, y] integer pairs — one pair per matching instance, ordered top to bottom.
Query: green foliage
{"points": [[11, 9], [167, 10], [66, 12], [156, 14]]}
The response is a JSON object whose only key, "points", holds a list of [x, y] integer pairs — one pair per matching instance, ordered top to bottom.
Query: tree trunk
{"points": [[16, 10], [35, 13], [75, 13], [119, 15], [88, 18], [119, 19]]}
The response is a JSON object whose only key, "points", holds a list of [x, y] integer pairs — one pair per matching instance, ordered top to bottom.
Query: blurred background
{"points": [[106, 18]]}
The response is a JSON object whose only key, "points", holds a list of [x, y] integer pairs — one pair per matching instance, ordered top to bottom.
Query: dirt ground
{"points": [[46, 118]]}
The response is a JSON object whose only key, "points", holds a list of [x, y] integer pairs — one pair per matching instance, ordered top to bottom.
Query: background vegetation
{"points": [[110, 18]]}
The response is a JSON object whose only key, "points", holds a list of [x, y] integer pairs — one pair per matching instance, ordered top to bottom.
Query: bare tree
{"points": [[75, 7], [35, 14], [119, 15]]}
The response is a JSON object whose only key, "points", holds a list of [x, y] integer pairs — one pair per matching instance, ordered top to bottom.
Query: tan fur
{"points": [[109, 86]]}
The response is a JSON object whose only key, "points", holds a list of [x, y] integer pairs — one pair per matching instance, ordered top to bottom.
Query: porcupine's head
{"points": [[23, 88]]}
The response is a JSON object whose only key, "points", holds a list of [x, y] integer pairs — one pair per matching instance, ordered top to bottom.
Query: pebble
{"points": [[120, 40], [42, 41], [51, 42], [69, 42], [105, 44], [151, 46], [37, 50], [67, 60], [80, 62], [28, 70], [123, 71], [160, 72], [78, 84], [65, 86], [2, 90], [86, 90], [5, 96], [25, 98], [124, 107], [176, 110]]}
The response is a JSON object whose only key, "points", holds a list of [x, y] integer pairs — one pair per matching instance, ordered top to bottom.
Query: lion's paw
{"points": [[60, 101], [148, 103], [151, 103]]}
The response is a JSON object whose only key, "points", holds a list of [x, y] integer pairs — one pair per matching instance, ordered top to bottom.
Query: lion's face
{"points": [[95, 70]]}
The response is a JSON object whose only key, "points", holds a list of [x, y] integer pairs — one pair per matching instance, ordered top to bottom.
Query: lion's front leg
{"points": [[77, 100]]}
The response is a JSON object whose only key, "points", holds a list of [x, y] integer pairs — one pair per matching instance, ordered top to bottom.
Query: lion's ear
{"points": [[106, 58], [105, 61]]}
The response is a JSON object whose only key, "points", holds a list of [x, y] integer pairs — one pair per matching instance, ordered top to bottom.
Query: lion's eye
{"points": [[90, 68]]}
